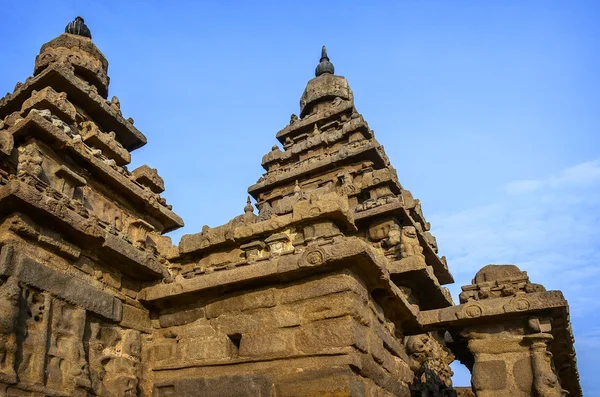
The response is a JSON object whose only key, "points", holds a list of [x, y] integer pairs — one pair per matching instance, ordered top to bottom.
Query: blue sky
{"points": [[490, 112]]}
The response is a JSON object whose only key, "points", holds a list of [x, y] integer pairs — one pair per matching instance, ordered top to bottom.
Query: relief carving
{"points": [[30, 161], [409, 243], [10, 294], [33, 331], [115, 361], [430, 362], [67, 365], [545, 381]]}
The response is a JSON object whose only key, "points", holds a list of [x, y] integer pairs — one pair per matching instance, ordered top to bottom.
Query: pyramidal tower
{"points": [[334, 287]]}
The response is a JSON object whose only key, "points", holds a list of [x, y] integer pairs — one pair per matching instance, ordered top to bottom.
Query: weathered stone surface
{"points": [[49, 99], [149, 177], [35, 274], [180, 317], [135, 318], [319, 336], [489, 375], [328, 382], [231, 386]]}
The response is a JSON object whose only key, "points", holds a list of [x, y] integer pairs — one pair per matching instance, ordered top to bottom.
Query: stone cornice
{"points": [[80, 93], [36, 125], [63, 214]]}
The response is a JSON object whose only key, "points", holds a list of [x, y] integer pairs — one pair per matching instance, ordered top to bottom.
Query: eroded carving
{"points": [[30, 161], [409, 243], [10, 294], [114, 360], [67, 365]]}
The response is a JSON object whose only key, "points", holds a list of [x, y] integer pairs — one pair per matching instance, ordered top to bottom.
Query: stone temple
{"points": [[331, 286]]}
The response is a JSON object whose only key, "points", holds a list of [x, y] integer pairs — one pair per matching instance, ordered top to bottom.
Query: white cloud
{"points": [[583, 174]]}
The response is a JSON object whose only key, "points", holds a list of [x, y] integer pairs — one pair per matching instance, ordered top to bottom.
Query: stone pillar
{"points": [[510, 352], [501, 363], [512, 365], [545, 381]]}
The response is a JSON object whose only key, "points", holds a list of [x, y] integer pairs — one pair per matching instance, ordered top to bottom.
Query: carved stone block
{"points": [[149, 177]]}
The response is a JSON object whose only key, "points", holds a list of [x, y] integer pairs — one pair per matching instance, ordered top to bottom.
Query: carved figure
{"points": [[115, 104], [61, 125], [6, 141], [30, 161], [348, 186], [265, 212], [394, 236], [409, 245], [10, 294], [33, 335], [114, 358], [430, 364], [67, 367], [545, 381]]}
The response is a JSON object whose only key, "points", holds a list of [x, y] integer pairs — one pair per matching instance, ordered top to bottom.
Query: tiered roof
{"points": [[73, 150]]}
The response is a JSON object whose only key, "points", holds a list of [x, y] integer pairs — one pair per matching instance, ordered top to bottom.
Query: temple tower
{"points": [[79, 232], [328, 278]]}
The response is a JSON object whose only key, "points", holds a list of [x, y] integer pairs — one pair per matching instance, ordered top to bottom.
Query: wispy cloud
{"points": [[580, 175], [549, 227]]}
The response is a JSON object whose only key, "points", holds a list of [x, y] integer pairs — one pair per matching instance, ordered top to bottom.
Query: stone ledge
{"points": [[63, 80], [306, 123], [34, 124], [325, 138], [369, 150], [16, 193], [326, 207], [345, 253], [59, 284], [472, 312]]}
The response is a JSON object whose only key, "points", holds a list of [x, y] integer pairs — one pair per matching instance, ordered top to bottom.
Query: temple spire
{"points": [[78, 27], [324, 65]]}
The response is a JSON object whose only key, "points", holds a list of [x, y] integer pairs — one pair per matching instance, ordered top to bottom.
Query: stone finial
{"points": [[78, 27], [324, 65], [297, 189], [248, 208]]}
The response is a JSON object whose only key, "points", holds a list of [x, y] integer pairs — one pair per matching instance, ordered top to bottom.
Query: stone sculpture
{"points": [[410, 245], [10, 294]]}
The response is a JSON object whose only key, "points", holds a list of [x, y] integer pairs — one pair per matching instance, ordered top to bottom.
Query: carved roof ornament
{"points": [[78, 27], [324, 65], [248, 207]]}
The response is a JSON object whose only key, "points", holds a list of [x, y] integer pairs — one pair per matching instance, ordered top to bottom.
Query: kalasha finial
{"points": [[78, 27], [324, 65], [248, 207]]}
